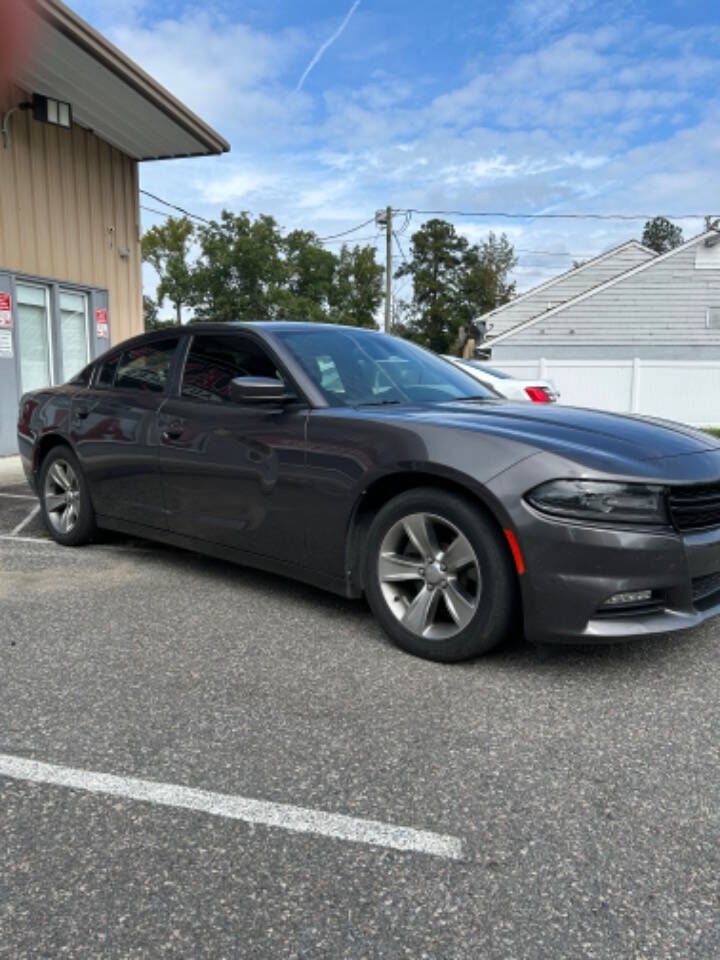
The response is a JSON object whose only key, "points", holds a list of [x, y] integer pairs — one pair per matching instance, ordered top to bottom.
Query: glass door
{"points": [[34, 336], [74, 338]]}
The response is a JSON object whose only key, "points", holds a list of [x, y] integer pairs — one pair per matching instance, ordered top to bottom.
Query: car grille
{"points": [[695, 508], [706, 589]]}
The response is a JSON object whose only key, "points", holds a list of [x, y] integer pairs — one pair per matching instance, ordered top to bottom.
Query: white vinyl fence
{"points": [[682, 390]]}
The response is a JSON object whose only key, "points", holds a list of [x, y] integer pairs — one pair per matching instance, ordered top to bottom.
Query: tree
{"points": [[661, 235], [166, 248], [436, 256], [248, 270], [239, 271], [484, 277], [307, 280], [454, 282], [357, 291], [150, 314], [151, 320]]}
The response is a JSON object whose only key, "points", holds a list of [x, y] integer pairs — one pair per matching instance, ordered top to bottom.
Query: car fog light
{"points": [[632, 596]]}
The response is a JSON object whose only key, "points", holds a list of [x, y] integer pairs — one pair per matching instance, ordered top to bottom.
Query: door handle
{"points": [[82, 413], [173, 432]]}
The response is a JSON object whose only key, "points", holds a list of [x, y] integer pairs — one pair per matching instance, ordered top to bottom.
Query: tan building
{"points": [[77, 117]]}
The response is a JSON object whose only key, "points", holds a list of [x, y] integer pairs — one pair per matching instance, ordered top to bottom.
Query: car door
{"points": [[116, 435], [234, 473]]}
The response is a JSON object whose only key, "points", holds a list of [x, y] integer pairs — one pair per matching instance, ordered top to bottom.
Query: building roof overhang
{"points": [[109, 93]]}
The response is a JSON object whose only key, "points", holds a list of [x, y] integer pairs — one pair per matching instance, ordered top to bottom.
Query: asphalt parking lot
{"points": [[554, 804]]}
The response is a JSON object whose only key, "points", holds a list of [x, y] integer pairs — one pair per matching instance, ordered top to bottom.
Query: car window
{"points": [[214, 360], [146, 366], [355, 367], [106, 374]]}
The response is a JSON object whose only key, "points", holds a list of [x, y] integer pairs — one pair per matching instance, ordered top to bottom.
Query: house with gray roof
{"points": [[628, 303]]}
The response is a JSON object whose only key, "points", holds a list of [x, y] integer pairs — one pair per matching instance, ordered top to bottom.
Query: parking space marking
{"points": [[18, 496], [23, 523], [9, 536], [279, 815]]}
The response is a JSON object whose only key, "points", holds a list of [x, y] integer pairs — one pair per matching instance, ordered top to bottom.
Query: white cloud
{"points": [[610, 118]]}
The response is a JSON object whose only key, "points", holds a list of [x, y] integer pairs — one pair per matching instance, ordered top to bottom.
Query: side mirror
{"points": [[259, 390]]}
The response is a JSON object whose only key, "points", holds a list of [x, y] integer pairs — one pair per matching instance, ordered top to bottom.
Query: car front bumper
{"points": [[573, 569]]}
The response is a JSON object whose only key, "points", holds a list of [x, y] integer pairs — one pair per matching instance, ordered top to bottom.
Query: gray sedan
{"points": [[362, 464]]}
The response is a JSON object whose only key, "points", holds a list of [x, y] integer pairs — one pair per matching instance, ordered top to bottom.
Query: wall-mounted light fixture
{"points": [[45, 109], [49, 110]]}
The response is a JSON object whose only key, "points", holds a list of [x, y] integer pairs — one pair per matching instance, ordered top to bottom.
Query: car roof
{"points": [[271, 326], [276, 326]]}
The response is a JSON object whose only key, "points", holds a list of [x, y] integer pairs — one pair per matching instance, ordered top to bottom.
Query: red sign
{"points": [[5, 311], [101, 323]]}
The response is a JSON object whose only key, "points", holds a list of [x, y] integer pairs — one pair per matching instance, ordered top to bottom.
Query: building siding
{"points": [[68, 205], [566, 287], [663, 306]]}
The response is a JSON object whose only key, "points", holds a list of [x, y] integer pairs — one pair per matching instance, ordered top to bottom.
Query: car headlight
{"points": [[601, 501]]}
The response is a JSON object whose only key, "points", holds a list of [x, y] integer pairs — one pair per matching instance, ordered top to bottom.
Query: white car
{"points": [[537, 391]]}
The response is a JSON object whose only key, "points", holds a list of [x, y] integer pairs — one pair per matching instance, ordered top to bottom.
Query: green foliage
{"points": [[661, 235], [166, 248], [246, 269], [239, 270], [307, 278], [454, 282], [357, 293], [150, 314], [151, 320]]}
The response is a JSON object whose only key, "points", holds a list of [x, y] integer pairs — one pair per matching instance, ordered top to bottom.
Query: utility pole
{"points": [[384, 218]]}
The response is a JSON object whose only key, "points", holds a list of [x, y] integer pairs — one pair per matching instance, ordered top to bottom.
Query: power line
{"points": [[174, 206], [162, 213], [551, 216], [344, 233], [375, 236], [399, 246]]}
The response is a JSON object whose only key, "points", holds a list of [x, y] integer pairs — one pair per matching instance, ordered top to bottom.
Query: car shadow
{"points": [[515, 653]]}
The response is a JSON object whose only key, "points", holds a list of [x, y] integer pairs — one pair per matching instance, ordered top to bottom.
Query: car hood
{"points": [[599, 440]]}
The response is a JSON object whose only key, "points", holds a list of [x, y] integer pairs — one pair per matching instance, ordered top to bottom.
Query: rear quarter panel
{"points": [[41, 414]]}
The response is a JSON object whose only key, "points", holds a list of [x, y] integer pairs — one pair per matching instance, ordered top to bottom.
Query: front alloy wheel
{"points": [[429, 575], [439, 575]]}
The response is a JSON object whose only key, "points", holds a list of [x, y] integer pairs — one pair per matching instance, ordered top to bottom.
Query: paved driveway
{"points": [[569, 799]]}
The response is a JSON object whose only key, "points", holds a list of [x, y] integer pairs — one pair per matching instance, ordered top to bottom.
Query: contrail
{"points": [[328, 43]]}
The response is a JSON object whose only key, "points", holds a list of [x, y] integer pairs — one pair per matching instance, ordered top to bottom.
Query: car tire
{"points": [[65, 502], [447, 611]]}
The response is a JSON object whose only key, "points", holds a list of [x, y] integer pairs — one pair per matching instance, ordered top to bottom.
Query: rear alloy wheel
{"points": [[66, 506], [439, 577]]}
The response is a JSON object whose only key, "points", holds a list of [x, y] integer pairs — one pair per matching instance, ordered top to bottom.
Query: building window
{"points": [[34, 336], [74, 338]]}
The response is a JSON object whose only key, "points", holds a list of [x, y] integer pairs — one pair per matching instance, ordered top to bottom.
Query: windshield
{"points": [[354, 368]]}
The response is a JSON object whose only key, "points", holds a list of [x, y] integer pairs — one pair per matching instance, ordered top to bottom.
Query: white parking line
{"points": [[18, 496], [23, 523], [9, 536], [280, 815]]}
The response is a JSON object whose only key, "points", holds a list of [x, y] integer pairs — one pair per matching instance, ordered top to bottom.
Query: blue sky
{"points": [[523, 105]]}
